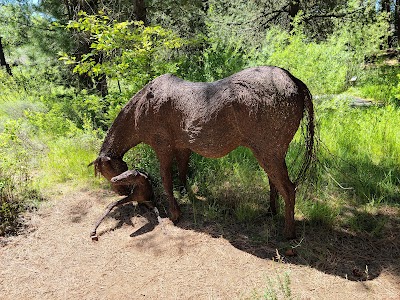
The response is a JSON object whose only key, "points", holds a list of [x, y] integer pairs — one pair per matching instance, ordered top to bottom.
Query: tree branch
{"points": [[275, 14], [333, 15], [16, 21]]}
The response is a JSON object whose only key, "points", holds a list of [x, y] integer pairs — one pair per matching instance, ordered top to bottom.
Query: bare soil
{"points": [[138, 258]]}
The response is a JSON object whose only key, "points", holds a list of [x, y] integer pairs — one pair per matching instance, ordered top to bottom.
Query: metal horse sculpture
{"points": [[259, 108]]}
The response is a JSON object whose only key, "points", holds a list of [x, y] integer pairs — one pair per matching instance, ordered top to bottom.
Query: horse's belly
{"points": [[213, 143], [213, 149]]}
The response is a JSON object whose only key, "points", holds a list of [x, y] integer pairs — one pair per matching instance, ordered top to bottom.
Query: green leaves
{"points": [[122, 49]]}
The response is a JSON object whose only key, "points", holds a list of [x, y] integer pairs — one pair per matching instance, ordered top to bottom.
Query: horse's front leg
{"points": [[166, 158]]}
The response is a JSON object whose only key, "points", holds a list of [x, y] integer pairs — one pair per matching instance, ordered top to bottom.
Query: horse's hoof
{"points": [[175, 214], [175, 218]]}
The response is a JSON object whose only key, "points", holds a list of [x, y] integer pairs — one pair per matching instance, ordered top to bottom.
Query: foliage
{"points": [[191, 21], [248, 21], [27, 35], [127, 49], [222, 60], [322, 66], [325, 66], [39, 148], [16, 190], [276, 288]]}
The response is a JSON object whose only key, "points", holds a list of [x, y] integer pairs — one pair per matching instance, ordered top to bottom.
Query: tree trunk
{"points": [[294, 8], [386, 8], [141, 11], [397, 22], [3, 59]]}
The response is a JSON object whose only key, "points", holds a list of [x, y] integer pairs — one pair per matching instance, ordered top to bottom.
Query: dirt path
{"points": [[56, 259]]}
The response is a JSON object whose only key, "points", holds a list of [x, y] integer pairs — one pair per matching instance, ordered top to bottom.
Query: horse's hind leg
{"points": [[275, 166], [273, 197]]}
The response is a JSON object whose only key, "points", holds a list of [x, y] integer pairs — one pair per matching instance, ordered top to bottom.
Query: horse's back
{"points": [[262, 105]]}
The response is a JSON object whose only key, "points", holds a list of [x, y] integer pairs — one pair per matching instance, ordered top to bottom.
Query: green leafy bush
{"points": [[123, 50], [325, 66]]}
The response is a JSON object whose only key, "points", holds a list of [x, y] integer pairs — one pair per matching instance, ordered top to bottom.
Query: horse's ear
{"points": [[97, 160], [92, 163], [97, 165]]}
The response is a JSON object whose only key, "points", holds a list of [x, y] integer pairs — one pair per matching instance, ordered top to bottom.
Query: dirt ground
{"points": [[137, 258]]}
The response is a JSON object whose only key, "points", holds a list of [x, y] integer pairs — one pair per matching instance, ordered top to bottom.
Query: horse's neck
{"points": [[117, 143]]}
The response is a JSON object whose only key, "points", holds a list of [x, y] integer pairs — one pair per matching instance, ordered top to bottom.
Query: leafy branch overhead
{"points": [[126, 49]]}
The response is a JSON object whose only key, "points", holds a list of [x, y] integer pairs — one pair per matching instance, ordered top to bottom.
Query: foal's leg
{"points": [[106, 212]]}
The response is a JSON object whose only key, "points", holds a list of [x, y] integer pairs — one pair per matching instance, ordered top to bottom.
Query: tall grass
{"points": [[39, 147], [361, 150], [66, 161]]}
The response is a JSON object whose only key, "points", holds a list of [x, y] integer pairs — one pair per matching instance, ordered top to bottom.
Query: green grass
{"points": [[379, 83], [39, 150], [361, 150], [66, 160], [358, 165], [276, 288]]}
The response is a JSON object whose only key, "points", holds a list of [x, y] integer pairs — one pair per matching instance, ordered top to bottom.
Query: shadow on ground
{"points": [[355, 256]]}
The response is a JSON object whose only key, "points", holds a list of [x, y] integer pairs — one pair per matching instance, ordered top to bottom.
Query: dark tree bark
{"points": [[294, 8], [386, 8], [141, 11], [397, 22], [3, 62]]}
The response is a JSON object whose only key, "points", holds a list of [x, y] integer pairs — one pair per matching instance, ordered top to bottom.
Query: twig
{"points": [[342, 187], [298, 244]]}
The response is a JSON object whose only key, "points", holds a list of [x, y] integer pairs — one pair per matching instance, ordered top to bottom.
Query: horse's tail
{"points": [[309, 135]]}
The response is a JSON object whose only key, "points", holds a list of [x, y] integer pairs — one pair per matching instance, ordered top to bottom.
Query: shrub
{"points": [[16, 164]]}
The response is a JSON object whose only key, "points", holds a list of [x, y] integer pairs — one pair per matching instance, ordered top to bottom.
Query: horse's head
{"points": [[109, 168]]}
